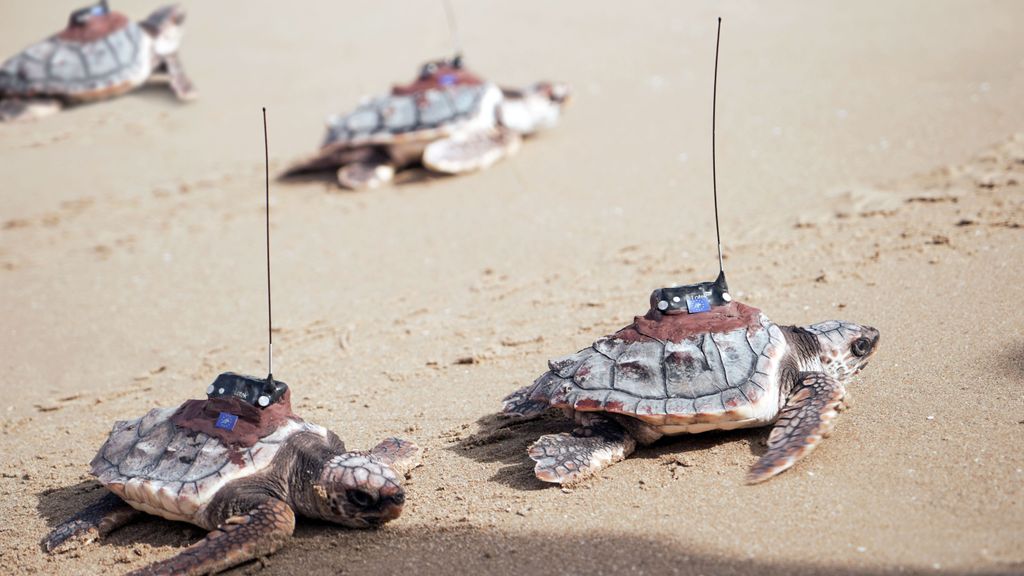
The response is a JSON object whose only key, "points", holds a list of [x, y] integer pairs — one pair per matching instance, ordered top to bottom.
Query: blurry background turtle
{"points": [[99, 55], [448, 120]]}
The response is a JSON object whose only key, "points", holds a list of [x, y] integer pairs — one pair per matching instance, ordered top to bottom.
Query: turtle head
{"points": [[164, 25], [558, 93], [536, 107], [845, 347], [359, 491]]}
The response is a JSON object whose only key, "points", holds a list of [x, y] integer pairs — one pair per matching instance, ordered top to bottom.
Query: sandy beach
{"points": [[870, 168]]}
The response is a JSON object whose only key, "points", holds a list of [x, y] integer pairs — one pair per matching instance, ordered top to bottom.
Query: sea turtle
{"points": [[99, 55], [449, 120], [666, 374], [245, 481]]}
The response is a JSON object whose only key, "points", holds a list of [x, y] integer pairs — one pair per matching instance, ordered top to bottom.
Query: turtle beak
{"points": [[562, 94]]}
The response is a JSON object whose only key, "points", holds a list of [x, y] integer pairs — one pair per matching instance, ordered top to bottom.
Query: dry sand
{"points": [[871, 168]]}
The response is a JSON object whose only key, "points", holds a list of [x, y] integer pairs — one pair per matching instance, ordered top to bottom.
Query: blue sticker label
{"points": [[447, 80], [697, 303], [226, 421]]}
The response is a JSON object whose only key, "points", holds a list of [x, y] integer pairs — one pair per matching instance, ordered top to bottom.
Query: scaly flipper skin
{"points": [[180, 83], [16, 110], [466, 153], [362, 175], [520, 405], [808, 416], [401, 455], [569, 458], [101, 518], [262, 531]]}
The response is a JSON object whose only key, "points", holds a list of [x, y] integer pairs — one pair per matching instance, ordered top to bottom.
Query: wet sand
{"points": [[871, 168]]}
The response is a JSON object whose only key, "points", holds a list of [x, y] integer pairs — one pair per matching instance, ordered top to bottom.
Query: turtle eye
{"points": [[861, 347], [360, 498]]}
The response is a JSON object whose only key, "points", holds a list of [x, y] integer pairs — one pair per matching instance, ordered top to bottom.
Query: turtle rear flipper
{"points": [[16, 110], [469, 152], [330, 157], [362, 175], [521, 405], [808, 416], [401, 455], [569, 458], [99, 519], [261, 532]]}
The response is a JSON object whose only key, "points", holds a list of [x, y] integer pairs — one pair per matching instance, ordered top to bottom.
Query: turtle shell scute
{"points": [[80, 68], [418, 117], [709, 376], [174, 472]]}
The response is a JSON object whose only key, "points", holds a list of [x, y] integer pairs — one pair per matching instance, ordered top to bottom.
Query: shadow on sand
{"points": [[407, 176], [1013, 361], [504, 440], [56, 505], [320, 548], [404, 550]]}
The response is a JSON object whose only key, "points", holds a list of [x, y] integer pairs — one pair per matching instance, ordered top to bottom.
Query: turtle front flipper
{"points": [[180, 83], [16, 110], [468, 152], [808, 416], [401, 455], [570, 458], [99, 519], [261, 532]]}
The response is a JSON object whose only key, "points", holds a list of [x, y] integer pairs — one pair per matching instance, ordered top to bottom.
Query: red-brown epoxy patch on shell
{"points": [[94, 28], [443, 77], [679, 327], [253, 423]]}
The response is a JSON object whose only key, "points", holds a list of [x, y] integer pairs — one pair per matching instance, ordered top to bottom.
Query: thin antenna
{"points": [[453, 27], [714, 175], [270, 315]]}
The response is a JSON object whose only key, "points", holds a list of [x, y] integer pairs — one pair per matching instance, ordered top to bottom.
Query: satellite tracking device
{"points": [[82, 16], [453, 29], [455, 61], [700, 297], [692, 298], [255, 391]]}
